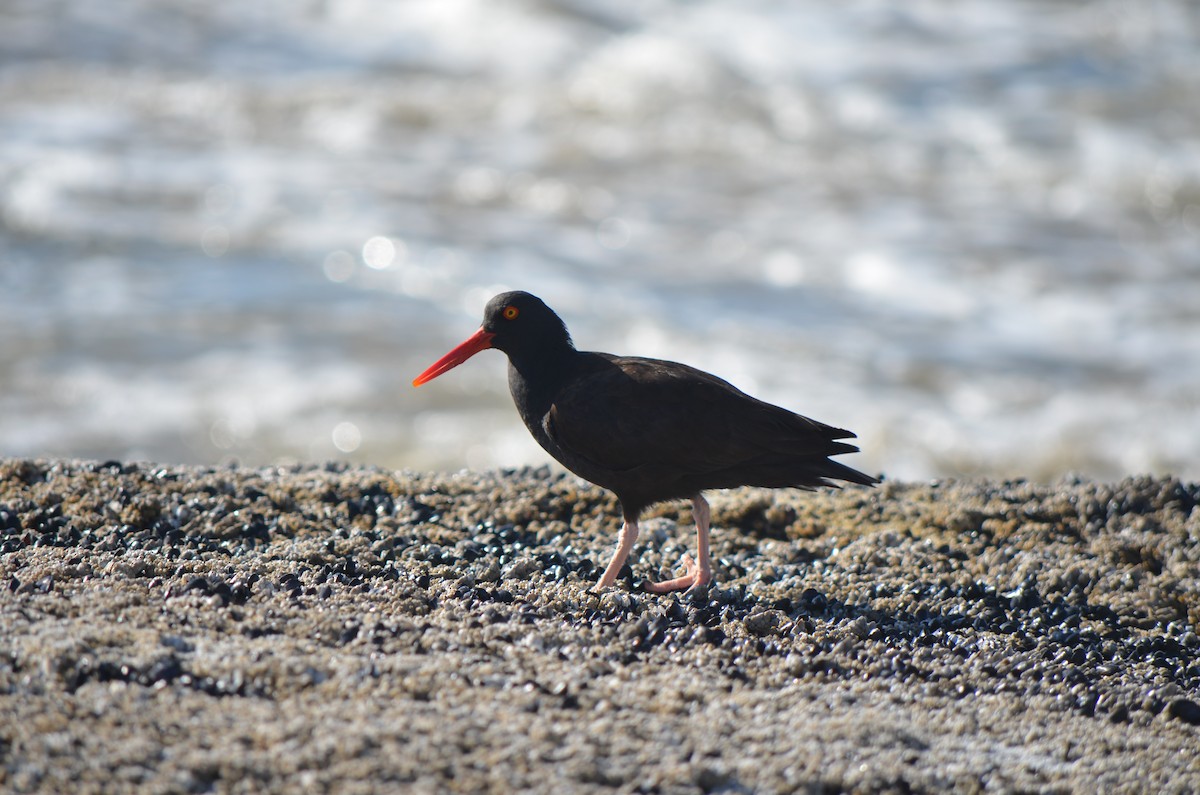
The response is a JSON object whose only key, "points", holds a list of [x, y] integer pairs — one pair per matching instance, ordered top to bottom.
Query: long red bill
{"points": [[479, 341]]}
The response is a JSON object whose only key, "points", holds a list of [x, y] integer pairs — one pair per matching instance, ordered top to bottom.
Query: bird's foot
{"points": [[694, 578], [606, 581]]}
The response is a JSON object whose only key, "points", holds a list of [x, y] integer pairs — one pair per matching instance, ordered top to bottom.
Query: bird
{"points": [[648, 430]]}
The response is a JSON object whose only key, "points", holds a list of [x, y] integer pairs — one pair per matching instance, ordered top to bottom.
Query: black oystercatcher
{"points": [[647, 430]]}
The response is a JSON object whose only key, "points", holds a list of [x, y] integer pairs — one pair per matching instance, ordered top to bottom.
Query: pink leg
{"points": [[625, 541], [697, 573]]}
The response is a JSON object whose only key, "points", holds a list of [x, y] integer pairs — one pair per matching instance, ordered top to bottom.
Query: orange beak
{"points": [[479, 341]]}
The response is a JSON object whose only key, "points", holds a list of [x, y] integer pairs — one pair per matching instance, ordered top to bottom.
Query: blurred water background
{"points": [[968, 230]]}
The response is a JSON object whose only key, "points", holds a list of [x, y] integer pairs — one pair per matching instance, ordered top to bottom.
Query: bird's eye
{"points": [[511, 312]]}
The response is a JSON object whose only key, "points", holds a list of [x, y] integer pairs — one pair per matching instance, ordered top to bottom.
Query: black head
{"points": [[521, 322], [518, 324]]}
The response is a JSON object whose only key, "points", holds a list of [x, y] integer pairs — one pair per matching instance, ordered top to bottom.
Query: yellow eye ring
{"points": [[511, 312]]}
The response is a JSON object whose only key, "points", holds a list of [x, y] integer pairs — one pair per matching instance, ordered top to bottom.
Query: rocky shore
{"points": [[352, 630]]}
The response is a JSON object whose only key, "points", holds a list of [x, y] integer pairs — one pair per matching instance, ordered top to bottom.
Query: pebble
{"points": [[891, 639]]}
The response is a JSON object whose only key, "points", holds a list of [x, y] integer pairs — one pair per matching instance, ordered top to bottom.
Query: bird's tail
{"points": [[832, 471], [798, 472]]}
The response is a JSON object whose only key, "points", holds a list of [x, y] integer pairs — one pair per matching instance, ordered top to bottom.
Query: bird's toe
{"points": [[693, 576]]}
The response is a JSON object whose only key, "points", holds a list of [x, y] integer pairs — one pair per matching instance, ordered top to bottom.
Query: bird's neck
{"points": [[536, 376]]}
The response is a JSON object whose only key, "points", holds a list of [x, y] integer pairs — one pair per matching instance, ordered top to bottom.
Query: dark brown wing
{"points": [[629, 413]]}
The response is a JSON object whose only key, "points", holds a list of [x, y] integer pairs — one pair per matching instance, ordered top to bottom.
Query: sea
{"points": [[967, 230]]}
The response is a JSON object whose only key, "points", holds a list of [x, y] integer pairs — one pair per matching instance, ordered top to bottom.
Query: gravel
{"points": [[346, 630]]}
